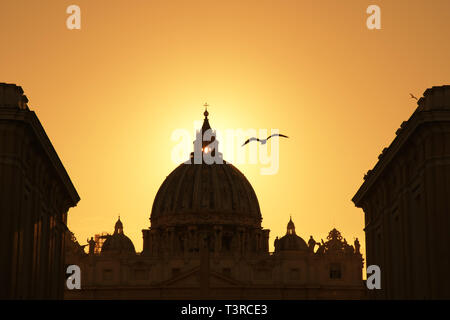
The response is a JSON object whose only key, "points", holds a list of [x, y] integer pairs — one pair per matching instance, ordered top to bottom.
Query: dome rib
{"points": [[232, 189], [178, 194]]}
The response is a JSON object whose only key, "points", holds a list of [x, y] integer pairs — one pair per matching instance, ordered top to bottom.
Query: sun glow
{"points": [[117, 157]]}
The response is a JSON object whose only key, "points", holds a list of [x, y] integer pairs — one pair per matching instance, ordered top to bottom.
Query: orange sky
{"points": [[110, 95]]}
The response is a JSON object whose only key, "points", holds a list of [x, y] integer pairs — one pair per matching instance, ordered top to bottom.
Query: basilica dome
{"points": [[205, 193]]}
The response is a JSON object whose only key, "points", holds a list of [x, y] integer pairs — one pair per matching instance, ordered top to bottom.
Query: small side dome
{"points": [[291, 241], [118, 243]]}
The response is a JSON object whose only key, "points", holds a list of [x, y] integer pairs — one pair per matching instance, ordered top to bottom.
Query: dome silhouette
{"points": [[219, 189], [203, 192], [291, 241], [118, 242]]}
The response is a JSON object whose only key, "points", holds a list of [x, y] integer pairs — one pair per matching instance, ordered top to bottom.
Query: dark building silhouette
{"points": [[35, 196], [406, 202], [206, 241]]}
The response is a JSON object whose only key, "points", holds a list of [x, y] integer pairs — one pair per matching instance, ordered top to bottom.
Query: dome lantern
{"points": [[206, 147], [290, 227], [118, 228]]}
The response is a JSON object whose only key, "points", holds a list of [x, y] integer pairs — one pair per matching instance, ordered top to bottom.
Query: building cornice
{"points": [[30, 118], [408, 128]]}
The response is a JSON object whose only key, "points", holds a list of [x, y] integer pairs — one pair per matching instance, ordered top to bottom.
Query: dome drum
{"points": [[206, 219]]}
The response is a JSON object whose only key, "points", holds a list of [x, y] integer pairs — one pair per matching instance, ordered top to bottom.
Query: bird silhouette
{"points": [[413, 97], [264, 141]]}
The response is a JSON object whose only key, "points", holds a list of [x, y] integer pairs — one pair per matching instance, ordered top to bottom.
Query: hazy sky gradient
{"points": [[110, 95]]}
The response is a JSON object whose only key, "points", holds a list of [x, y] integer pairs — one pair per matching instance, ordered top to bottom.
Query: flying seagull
{"points": [[413, 97], [264, 141]]}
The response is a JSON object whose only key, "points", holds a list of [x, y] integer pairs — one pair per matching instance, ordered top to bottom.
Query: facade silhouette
{"points": [[36, 194], [406, 204], [205, 239], [206, 242]]}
